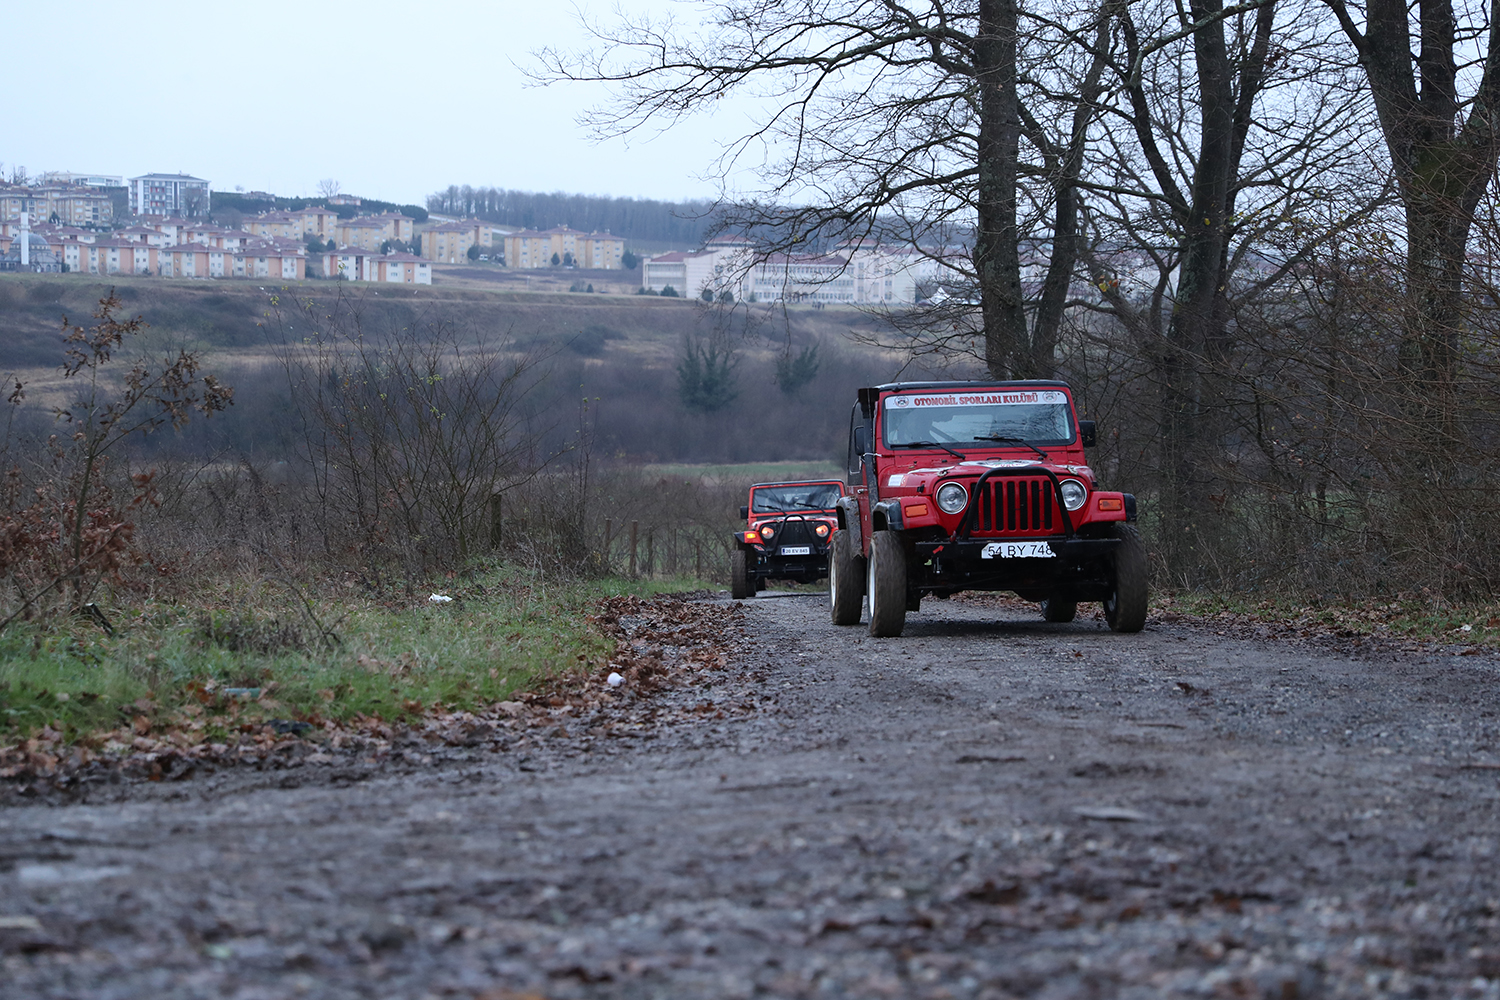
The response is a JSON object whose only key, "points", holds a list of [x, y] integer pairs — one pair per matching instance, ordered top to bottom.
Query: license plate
{"points": [[796, 550], [1018, 550]]}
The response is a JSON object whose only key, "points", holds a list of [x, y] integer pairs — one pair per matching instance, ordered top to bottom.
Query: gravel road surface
{"points": [[989, 806]]}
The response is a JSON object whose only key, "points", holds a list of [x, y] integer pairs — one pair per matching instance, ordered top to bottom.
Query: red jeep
{"points": [[979, 486], [787, 537]]}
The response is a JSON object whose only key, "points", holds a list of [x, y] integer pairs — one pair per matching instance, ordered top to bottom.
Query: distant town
{"points": [[159, 225]]}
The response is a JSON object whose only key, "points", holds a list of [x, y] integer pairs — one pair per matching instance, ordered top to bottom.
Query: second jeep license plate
{"points": [[796, 550], [1017, 550]]}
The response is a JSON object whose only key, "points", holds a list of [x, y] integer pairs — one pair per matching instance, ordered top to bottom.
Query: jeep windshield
{"points": [[1024, 417], [789, 499]]}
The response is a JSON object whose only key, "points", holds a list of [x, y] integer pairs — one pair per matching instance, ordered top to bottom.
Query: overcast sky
{"points": [[393, 99]]}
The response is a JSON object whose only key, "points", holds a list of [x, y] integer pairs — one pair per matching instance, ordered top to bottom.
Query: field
{"points": [[619, 352]]}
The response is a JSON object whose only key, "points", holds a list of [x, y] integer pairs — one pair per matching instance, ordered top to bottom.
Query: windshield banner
{"points": [[1030, 397]]}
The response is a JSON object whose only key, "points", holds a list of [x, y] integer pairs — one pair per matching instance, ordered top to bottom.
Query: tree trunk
{"points": [[1443, 156], [1065, 166], [997, 258], [1196, 338]]}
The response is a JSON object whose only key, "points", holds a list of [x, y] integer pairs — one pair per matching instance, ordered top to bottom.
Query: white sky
{"points": [[393, 99]]}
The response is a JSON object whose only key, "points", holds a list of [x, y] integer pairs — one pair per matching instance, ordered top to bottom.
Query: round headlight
{"points": [[1073, 494], [951, 498], [767, 530], [822, 530]]}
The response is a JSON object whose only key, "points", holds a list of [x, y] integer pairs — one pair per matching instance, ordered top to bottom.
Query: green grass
{"points": [[395, 658]]}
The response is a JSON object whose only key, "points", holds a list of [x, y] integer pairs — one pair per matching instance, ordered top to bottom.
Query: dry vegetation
{"points": [[384, 445]]}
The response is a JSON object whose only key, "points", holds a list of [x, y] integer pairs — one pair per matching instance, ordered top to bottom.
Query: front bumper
{"points": [[1079, 566]]}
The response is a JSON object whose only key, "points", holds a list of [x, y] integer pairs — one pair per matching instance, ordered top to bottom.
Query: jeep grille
{"points": [[1017, 506], [795, 532]]}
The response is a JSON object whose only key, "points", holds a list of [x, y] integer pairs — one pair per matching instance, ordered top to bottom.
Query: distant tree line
{"points": [[220, 201], [641, 219]]}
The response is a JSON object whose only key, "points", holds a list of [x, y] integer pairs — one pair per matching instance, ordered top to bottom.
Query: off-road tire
{"points": [[846, 580], [886, 584], [740, 586], [1125, 609], [1057, 610]]}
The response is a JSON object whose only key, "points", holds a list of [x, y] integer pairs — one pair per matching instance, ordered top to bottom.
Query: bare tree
{"points": [[885, 121], [1444, 145], [328, 188], [194, 202]]}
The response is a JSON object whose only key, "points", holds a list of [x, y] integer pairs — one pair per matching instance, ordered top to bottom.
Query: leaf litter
{"points": [[660, 644]]}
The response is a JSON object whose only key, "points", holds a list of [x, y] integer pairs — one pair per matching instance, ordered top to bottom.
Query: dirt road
{"points": [[989, 806]]}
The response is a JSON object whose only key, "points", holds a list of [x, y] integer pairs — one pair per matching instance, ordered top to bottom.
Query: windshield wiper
{"points": [[1010, 440], [931, 444], [787, 507]]}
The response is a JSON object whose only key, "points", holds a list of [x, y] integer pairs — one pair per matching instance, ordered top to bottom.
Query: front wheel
{"points": [[739, 575], [846, 584], [886, 584], [1125, 608]]}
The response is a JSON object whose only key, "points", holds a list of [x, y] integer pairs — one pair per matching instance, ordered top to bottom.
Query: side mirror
{"points": [[1086, 433], [859, 439], [744, 513]]}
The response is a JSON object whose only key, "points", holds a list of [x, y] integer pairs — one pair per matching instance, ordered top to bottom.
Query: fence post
{"points": [[495, 521], [634, 528], [609, 534], [651, 552], [697, 558]]}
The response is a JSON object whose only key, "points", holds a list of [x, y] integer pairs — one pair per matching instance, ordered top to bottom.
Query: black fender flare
{"points": [[848, 508], [886, 516]]}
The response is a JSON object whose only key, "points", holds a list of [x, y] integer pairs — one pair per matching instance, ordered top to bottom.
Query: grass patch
{"points": [[249, 654]]}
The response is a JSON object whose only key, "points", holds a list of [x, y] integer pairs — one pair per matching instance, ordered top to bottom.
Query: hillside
{"points": [[619, 351]]}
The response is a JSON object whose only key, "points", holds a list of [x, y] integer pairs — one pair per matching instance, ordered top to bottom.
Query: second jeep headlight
{"points": [[1073, 493], [951, 498]]}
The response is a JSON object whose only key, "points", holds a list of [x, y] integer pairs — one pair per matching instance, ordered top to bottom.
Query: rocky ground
{"points": [[769, 806]]}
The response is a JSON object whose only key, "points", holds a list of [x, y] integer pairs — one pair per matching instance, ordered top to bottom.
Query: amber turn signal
{"points": [[1111, 503], [916, 510], [751, 536]]}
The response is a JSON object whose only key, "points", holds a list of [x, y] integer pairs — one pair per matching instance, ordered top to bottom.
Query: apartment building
{"points": [[86, 180], [169, 194], [67, 204], [318, 221], [284, 225], [398, 226], [173, 227], [365, 232], [145, 234], [449, 243], [531, 248], [601, 251], [119, 256], [196, 260], [268, 260], [346, 263], [356, 264], [399, 267], [688, 273], [859, 273]]}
